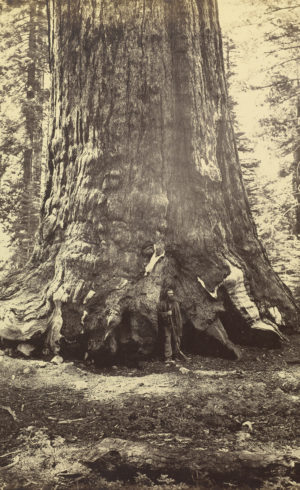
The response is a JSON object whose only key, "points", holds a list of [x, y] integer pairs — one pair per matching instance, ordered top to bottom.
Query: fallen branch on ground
{"points": [[10, 411], [69, 421], [8, 454], [122, 459], [8, 466]]}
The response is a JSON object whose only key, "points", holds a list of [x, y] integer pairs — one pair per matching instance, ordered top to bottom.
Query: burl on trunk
{"points": [[145, 190]]}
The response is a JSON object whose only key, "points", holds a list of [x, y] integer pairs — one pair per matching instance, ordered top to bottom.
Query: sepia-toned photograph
{"points": [[149, 244]]}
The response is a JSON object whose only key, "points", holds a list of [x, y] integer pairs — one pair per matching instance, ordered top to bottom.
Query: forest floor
{"points": [[53, 416]]}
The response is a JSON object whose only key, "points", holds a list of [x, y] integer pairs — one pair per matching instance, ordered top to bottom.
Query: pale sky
{"points": [[246, 22]]}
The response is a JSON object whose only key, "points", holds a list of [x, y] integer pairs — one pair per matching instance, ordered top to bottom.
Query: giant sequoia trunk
{"points": [[296, 177], [144, 190]]}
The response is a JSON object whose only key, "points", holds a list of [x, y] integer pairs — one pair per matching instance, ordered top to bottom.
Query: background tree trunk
{"points": [[24, 27], [32, 109], [142, 164], [297, 168]]}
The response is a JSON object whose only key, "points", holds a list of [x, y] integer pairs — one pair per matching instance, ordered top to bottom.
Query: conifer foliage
{"points": [[262, 52], [23, 98]]}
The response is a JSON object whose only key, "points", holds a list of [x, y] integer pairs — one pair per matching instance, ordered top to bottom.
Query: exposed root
{"points": [[119, 318], [19, 323], [268, 327], [218, 332]]}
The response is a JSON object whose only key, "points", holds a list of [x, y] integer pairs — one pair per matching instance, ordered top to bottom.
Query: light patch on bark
{"points": [[208, 168], [158, 254], [235, 286], [236, 289], [78, 290], [214, 293], [89, 296], [276, 315], [83, 317], [56, 321], [268, 327]]}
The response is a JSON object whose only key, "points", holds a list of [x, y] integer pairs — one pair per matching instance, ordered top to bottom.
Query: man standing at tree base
{"points": [[170, 315]]}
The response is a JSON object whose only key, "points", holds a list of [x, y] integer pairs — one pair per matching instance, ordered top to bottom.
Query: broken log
{"points": [[119, 459]]}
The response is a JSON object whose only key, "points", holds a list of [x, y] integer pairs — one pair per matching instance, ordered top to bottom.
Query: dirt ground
{"points": [[52, 415]]}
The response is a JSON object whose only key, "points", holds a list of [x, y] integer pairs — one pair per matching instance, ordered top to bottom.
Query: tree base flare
{"points": [[116, 321]]}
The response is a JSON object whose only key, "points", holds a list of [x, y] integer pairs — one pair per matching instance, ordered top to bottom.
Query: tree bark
{"points": [[296, 176], [145, 187]]}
